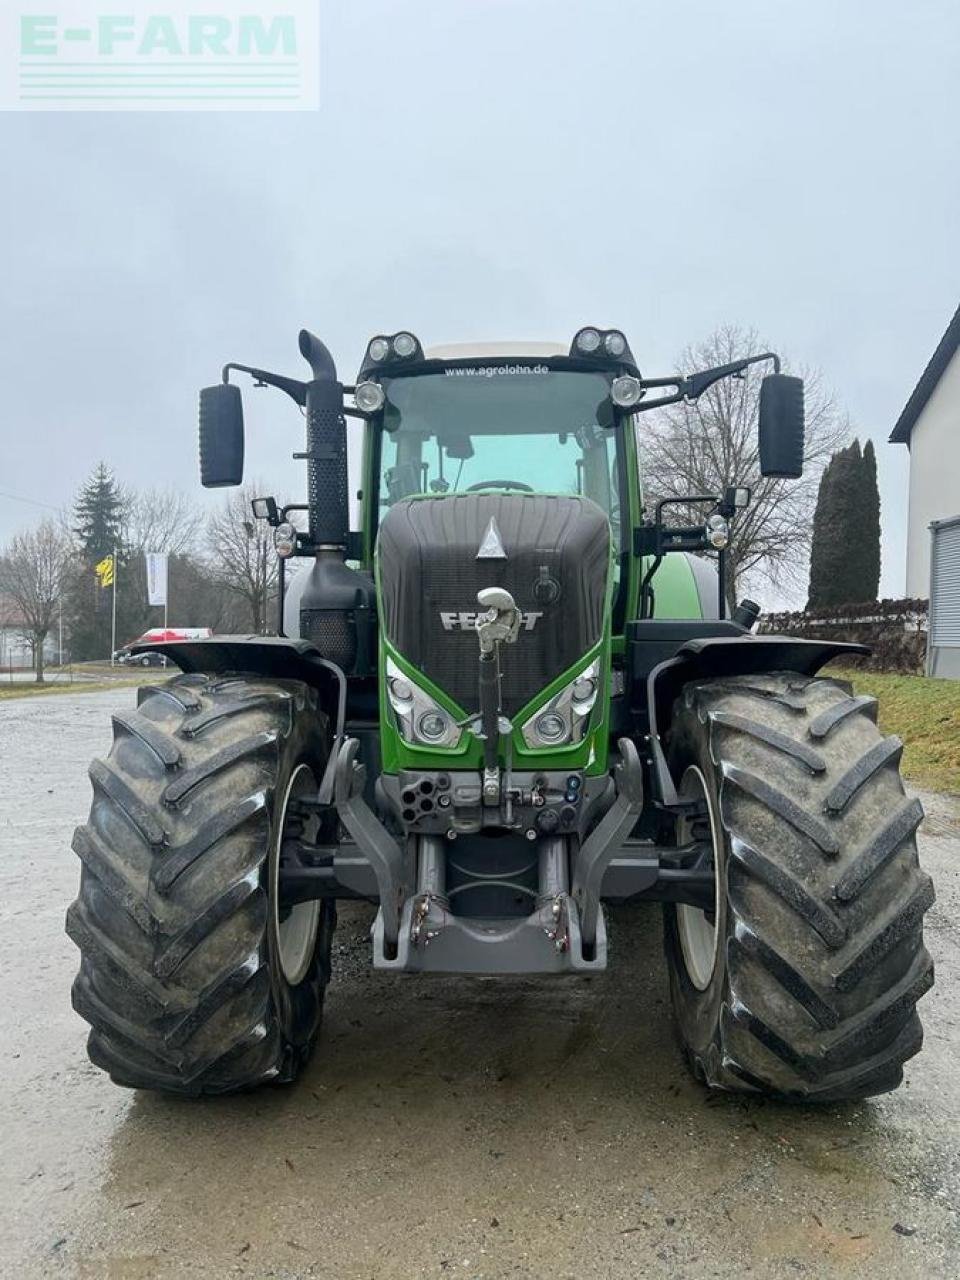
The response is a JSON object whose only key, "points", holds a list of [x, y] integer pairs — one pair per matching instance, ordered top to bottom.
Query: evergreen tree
{"points": [[98, 513], [871, 521], [98, 526], [845, 550], [832, 572]]}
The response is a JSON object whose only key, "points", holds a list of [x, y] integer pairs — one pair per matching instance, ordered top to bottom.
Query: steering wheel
{"points": [[500, 484]]}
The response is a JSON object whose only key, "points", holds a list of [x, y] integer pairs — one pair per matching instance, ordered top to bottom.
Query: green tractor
{"points": [[503, 698]]}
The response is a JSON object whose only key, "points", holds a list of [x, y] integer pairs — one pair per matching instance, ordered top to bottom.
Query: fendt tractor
{"points": [[509, 696]]}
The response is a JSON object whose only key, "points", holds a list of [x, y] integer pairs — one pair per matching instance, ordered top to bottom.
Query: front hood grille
{"points": [[555, 563]]}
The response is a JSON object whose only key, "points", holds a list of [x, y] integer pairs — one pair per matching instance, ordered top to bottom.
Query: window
{"points": [[508, 426]]}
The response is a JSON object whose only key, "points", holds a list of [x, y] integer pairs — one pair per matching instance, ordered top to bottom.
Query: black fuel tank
{"points": [[551, 553]]}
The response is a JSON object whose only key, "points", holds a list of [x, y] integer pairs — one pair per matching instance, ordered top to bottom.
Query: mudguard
{"points": [[276, 657], [710, 658]]}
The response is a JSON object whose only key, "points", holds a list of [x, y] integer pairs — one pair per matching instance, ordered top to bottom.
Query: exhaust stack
{"points": [[326, 455], [337, 602]]}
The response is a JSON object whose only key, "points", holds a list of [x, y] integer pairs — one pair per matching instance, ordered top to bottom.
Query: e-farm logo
{"points": [[159, 55]]}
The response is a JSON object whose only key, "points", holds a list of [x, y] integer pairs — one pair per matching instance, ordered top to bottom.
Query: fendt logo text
{"points": [[176, 55], [463, 621]]}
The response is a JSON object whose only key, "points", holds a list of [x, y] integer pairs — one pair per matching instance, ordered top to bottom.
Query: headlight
{"points": [[588, 341], [404, 344], [615, 344], [379, 349], [626, 391], [369, 397], [718, 532], [285, 540], [564, 719], [421, 720], [433, 726], [551, 727]]}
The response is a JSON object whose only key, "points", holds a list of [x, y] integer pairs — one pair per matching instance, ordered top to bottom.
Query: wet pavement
{"points": [[481, 1128]]}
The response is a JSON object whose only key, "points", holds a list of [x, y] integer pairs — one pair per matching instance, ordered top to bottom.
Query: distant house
{"points": [[930, 428], [16, 640]]}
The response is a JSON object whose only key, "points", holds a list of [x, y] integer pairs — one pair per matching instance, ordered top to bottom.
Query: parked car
{"points": [[157, 635], [127, 659]]}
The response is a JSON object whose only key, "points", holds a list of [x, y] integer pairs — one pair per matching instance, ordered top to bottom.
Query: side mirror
{"points": [[781, 426], [221, 436]]}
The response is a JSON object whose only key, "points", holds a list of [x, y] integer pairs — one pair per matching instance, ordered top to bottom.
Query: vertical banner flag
{"points": [[104, 571], [156, 577]]}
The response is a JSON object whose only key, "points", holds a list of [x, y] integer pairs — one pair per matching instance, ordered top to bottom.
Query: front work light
{"points": [[404, 344], [609, 345], [379, 349], [626, 392], [369, 397], [737, 498], [266, 509]]}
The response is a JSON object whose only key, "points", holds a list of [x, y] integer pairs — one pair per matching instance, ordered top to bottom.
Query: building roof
{"points": [[928, 381]]}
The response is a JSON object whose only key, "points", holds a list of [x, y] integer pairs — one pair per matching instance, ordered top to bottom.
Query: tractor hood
{"points": [[552, 553]]}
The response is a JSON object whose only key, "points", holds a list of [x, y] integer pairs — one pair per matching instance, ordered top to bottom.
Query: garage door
{"points": [[945, 599]]}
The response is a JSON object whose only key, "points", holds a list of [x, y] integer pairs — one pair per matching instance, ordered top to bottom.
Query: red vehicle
{"points": [[156, 635]]}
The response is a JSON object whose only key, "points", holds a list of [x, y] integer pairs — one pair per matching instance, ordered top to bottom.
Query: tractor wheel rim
{"points": [[296, 932], [699, 935]]}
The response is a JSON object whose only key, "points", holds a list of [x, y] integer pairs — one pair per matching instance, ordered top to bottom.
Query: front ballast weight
{"points": [[421, 881]]}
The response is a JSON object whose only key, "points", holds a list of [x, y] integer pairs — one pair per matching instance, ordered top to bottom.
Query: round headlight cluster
{"points": [[601, 342], [404, 345], [369, 397], [718, 532], [285, 540]]}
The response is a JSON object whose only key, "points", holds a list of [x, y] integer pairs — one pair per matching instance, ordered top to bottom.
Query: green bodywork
{"points": [[676, 597]]}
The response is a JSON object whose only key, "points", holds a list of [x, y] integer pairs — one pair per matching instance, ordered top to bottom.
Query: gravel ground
{"points": [[474, 1128]]}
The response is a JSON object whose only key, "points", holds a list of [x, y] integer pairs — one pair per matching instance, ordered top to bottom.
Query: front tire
{"points": [[192, 980], [810, 988]]}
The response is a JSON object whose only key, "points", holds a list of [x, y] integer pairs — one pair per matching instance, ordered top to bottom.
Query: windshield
{"points": [[499, 426]]}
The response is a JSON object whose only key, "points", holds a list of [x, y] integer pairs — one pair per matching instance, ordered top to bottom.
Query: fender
{"points": [[272, 656], [709, 658]]}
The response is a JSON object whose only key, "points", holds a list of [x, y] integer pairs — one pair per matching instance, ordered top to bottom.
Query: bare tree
{"points": [[706, 446], [162, 520], [242, 558], [33, 570]]}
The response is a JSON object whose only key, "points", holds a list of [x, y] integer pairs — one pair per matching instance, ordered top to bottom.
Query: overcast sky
{"points": [[483, 169]]}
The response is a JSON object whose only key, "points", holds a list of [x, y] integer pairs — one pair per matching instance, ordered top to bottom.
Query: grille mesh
{"points": [[430, 575], [333, 632]]}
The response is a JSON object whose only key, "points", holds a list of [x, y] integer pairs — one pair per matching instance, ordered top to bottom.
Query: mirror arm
{"points": [[693, 387], [297, 391], [644, 405]]}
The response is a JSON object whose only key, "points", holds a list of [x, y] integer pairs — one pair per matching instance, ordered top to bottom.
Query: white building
{"points": [[930, 428], [16, 641]]}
